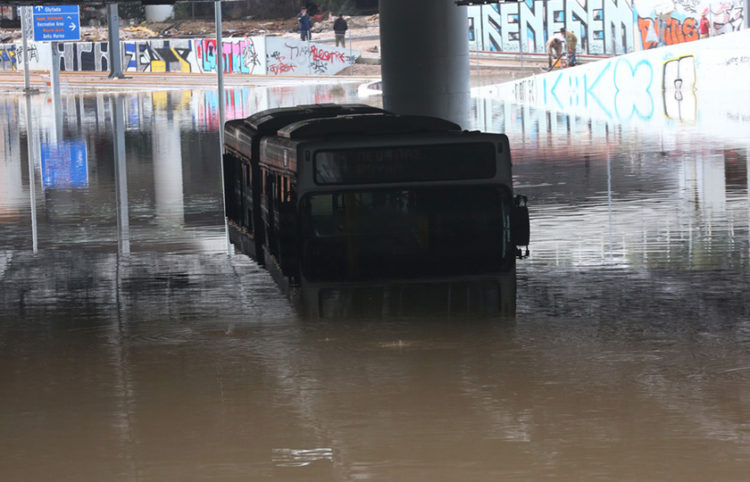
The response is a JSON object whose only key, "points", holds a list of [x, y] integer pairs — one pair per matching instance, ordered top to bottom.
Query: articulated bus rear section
{"points": [[243, 181]]}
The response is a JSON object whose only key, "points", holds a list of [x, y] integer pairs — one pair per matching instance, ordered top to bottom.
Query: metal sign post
{"points": [[56, 23], [25, 26], [113, 32], [32, 181]]}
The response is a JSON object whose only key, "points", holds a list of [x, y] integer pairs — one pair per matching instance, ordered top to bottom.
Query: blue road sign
{"points": [[56, 23], [64, 165]]}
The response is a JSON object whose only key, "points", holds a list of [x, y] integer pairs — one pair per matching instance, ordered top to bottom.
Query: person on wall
{"points": [[304, 24], [703, 25], [339, 29], [572, 42], [554, 52]]}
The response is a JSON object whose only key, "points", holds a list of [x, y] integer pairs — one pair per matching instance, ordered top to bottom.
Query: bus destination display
{"points": [[437, 162]]}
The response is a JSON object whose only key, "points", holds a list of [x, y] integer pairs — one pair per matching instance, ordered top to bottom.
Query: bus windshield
{"points": [[402, 232]]}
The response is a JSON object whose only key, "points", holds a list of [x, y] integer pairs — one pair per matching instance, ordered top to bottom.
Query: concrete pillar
{"points": [[113, 28], [425, 58], [121, 175]]}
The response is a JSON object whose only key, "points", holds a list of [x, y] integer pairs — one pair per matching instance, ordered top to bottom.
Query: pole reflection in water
{"points": [[167, 159], [121, 174], [32, 183], [627, 358]]}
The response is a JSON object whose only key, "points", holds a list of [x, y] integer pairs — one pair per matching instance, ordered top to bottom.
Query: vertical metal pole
{"points": [[25, 14], [113, 29], [220, 73], [54, 76], [220, 88], [121, 175], [32, 182]]}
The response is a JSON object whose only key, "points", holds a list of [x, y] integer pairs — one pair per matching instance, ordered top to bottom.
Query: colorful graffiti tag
{"points": [[668, 32], [158, 56], [238, 56], [8, 57]]}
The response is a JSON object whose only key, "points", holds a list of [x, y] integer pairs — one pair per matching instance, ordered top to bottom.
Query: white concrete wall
{"points": [[294, 57], [702, 82]]}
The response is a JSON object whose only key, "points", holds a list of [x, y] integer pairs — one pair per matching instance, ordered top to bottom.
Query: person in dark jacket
{"points": [[304, 24], [339, 29]]}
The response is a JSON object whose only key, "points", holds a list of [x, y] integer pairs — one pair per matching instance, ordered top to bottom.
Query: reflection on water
{"points": [[133, 347]]}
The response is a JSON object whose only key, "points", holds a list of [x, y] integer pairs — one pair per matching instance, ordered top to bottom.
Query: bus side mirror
{"points": [[519, 225]]}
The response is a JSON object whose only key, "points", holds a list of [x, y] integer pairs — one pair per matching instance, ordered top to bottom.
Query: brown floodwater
{"points": [[136, 345]]}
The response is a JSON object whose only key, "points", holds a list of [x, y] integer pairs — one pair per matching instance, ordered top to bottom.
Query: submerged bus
{"points": [[356, 210]]}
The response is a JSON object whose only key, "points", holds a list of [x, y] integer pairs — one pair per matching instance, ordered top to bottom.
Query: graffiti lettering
{"points": [[601, 27], [675, 31], [32, 51], [207, 54], [319, 54], [8, 55], [84, 56], [158, 56], [305, 58], [280, 67]]}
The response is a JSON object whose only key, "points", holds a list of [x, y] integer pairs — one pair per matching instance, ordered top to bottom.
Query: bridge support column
{"points": [[113, 30], [425, 58]]}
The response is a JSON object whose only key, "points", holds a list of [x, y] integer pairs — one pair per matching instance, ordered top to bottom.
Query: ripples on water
{"points": [[133, 347]]}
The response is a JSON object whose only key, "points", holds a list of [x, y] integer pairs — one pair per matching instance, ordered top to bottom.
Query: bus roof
{"points": [[271, 120], [366, 124]]}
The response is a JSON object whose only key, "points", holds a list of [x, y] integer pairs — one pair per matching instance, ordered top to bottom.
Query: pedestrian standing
{"points": [[304, 24], [703, 26], [339, 29], [572, 42]]}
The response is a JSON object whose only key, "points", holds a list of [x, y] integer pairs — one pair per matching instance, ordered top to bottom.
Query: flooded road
{"points": [[133, 346]]}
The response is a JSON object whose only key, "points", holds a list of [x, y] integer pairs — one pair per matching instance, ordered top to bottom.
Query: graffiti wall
{"points": [[663, 22], [602, 26], [247, 55], [84, 56], [158, 56], [240, 56], [8, 57], [294, 57], [679, 83]]}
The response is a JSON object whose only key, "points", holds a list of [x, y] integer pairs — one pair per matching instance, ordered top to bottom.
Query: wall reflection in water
{"points": [[629, 195], [170, 360]]}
